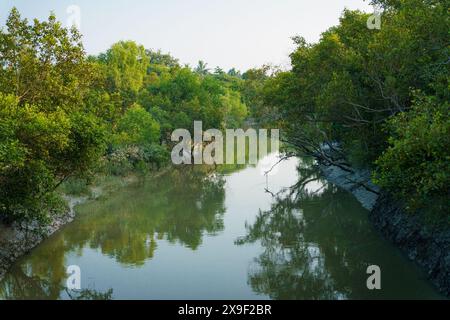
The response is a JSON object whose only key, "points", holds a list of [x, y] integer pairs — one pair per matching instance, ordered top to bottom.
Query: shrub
{"points": [[416, 166]]}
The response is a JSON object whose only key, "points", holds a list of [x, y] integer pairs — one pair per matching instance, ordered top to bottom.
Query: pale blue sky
{"points": [[225, 33]]}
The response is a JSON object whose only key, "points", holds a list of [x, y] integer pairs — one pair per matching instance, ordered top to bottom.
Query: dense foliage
{"points": [[382, 95], [64, 115], [47, 133], [418, 156]]}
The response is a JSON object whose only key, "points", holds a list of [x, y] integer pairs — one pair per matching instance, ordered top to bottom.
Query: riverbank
{"points": [[356, 181], [19, 239], [426, 245]]}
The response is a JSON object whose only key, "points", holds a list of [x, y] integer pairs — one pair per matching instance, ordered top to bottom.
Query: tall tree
{"points": [[202, 68], [47, 133]]}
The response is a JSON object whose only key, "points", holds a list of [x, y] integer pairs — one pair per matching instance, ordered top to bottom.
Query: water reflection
{"points": [[179, 207], [170, 238], [318, 243], [88, 294]]}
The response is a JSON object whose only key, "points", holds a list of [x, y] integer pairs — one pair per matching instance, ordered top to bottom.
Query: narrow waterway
{"points": [[231, 234]]}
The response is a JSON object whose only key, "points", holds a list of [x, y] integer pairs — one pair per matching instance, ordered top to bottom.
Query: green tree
{"points": [[43, 63], [127, 65], [202, 68], [353, 81], [236, 110], [137, 127], [47, 131], [38, 151], [416, 166]]}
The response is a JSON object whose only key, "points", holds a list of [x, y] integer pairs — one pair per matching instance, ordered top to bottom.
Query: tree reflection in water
{"points": [[180, 207], [317, 243], [308, 253], [20, 285]]}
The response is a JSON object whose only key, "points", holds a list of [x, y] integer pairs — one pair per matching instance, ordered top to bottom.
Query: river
{"points": [[229, 234]]}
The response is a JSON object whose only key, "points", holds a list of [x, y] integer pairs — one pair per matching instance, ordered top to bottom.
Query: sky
{"points": [[239, 34]]}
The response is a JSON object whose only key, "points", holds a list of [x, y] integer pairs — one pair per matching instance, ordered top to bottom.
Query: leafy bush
{"points": [[137, 127], [38, 150], [156, 154], [416, 166], [76, 187]]}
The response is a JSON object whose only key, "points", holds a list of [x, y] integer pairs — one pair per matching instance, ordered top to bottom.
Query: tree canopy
{"points": [[382, 95], [66, 115]]}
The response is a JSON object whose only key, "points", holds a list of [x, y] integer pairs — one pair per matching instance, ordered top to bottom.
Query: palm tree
{"points": [[202, 68], [219, 71]]}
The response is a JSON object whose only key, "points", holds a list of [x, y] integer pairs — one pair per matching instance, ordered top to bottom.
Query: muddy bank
{"points": [[357, 182], [18, 239], [428, 246]]}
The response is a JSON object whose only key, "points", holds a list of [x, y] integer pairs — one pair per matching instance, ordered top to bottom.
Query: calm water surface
{"points": [[191, 234]]}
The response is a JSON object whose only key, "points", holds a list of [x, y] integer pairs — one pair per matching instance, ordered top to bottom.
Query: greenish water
{"points": [[194, 234]]}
